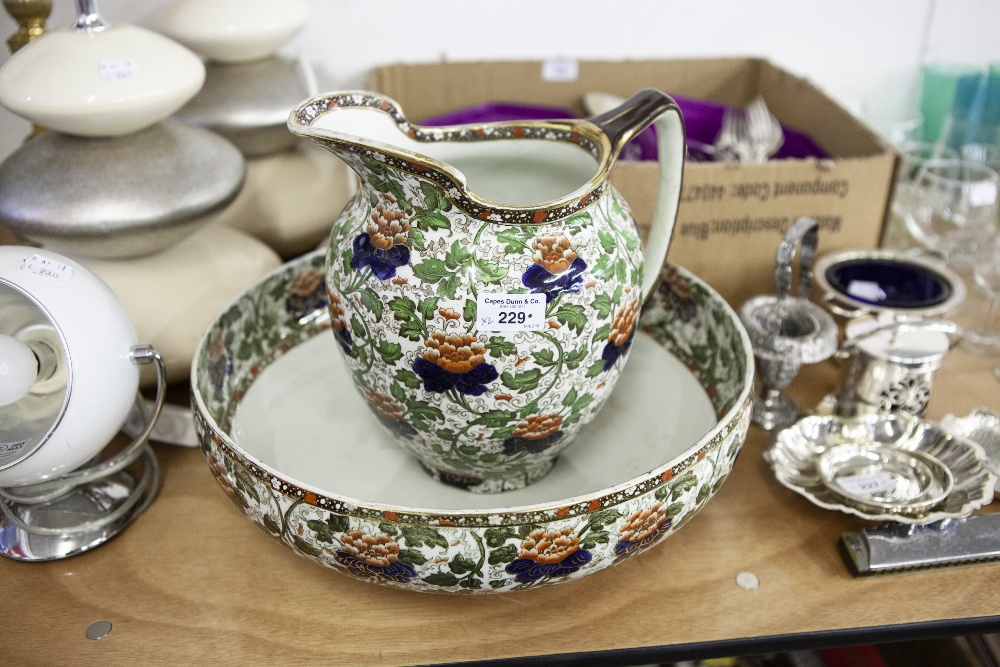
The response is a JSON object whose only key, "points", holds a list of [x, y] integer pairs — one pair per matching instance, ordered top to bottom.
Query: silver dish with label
{"points": [[882, 467], [884, 478]]}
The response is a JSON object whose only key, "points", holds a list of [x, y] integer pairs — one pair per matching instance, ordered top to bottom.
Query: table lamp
{"points": [[69, 378]]}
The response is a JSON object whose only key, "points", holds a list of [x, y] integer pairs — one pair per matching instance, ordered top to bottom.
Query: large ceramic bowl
{"points": [[292, 443]]}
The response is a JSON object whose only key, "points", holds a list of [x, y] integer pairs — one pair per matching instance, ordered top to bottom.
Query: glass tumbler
{"points": [[950, 204]]}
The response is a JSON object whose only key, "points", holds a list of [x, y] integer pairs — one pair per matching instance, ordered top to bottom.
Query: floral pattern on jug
{"points": [[481, 406]]}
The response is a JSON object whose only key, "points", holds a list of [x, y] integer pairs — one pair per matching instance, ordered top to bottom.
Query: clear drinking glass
{"points": [[912, 156], [951, 204], [983, 337]]}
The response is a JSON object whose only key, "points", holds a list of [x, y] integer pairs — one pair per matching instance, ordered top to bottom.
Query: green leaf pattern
{"points": [[452, 259]]}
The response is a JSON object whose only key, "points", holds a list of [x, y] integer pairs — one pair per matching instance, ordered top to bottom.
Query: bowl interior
{"points": [[268, 381]]}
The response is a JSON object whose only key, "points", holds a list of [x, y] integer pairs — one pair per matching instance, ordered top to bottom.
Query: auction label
{"points": [[48, 268], [510, 312], [868, 484]]}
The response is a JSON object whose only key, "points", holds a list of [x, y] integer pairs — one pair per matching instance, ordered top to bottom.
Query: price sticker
{"points": [[562, 69], [119, 70], [45, 267], [510, 312], [868, 484]]}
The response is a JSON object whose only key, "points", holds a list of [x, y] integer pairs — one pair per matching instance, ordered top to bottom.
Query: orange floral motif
{"points": [[387, 228], [553, 253], [305, 284], [679, 284], [337, 313], [449, 314], [338, 319], [624, 323], [454, 353], [386, 405], [537, 427], [218, 468], [643, 523], [549, 546], [378, 550]]}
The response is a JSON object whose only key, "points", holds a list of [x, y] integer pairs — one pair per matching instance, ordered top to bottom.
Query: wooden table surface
{"points": [[194, 582]]}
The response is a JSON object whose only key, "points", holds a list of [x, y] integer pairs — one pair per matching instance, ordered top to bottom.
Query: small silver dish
{"points": [[796, 453], [884, 477]]}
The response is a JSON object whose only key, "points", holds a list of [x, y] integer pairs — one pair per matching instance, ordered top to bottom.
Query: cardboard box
{"points": [[731, 216]]}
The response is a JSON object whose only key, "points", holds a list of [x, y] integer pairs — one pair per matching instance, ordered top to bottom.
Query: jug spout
{"points": [[529, 172]]}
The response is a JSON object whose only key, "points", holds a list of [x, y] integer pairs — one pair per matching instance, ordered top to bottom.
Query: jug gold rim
{"points": [[579, 131]]}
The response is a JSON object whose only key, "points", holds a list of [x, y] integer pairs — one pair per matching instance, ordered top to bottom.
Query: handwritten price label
{"points": [[119, 70], [45, 267], [510, 312]]}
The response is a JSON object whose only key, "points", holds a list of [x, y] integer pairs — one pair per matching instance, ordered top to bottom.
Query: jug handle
{"points": [[620, 125]]}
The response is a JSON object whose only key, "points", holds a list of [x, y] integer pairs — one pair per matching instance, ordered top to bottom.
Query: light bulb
{"points": [[18, 370]]}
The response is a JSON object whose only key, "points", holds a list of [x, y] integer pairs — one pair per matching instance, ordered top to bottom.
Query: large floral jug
{"points": [[485, 282]]}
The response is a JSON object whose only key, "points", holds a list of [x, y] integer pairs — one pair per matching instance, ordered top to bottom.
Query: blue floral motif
{"points": [[383, 263], [540, 281], [677, 293], [622, 333], [343, 336], [613, 352], [220, 365], [470, 383], [400, 427], [534, 435], [516, 444], [625, 549], [526, 570], [398, 572]]}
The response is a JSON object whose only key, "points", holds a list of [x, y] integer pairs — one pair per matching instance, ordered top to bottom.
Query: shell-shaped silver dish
{"points": [[982, 426], [886, 444]]}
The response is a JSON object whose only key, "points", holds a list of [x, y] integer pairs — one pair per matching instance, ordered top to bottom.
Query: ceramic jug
{"points": [[485, 283]]}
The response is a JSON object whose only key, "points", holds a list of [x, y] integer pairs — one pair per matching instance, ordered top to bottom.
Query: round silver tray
{"points": [[814, 455]]}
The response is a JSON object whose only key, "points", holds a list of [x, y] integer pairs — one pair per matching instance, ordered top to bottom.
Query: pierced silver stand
{"points": [[787, 331], [887, 374], [81, 510]]}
